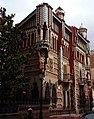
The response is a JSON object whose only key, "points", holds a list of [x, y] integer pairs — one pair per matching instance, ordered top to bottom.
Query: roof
{"points": [[44, 4], [60, 9], [31, 14], [27, 18]]}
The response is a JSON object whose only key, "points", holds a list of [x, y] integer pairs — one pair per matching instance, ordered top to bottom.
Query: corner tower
{"points": [[60, 13], [43, 22], [83, 31]]}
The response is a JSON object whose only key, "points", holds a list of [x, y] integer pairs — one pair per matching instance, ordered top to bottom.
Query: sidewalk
{"points": [[68, 116]]}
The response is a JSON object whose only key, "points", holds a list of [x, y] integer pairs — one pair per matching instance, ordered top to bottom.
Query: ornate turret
{"points": [[60, 13], [43, 23], [83, 31]]}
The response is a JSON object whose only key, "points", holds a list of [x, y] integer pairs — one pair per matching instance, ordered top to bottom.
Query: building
{"points": [[92, 64], [92, 72], [67, 75]]}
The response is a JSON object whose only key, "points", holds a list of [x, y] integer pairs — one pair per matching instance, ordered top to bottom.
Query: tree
{"points": [[11, 60]]}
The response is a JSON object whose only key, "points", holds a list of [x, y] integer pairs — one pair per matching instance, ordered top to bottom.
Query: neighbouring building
{"points": [[92, 63], [92, 71], [66, 85]]}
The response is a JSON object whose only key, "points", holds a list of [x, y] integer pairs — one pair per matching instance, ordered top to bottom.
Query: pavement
{"points": [[65, 117]]}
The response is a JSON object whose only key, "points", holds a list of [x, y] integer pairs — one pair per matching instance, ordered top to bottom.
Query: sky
{"points": [[76, 12]]}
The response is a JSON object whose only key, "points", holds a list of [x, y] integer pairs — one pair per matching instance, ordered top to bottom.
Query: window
{"points": [[55, 26], [67, 36], [32, 38], [28, 42], [52, 42], [24, 43], [55, 44], [66, 54], [77, 55], [82, 58], [66, 70], [47, 93], [54, 95], [64, 99], [68, 99]]}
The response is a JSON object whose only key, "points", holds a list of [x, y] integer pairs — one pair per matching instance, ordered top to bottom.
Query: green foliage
{"points": [[11, 60]]}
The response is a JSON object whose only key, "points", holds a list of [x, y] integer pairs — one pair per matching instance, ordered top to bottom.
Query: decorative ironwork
{"points": [[87, 67]]}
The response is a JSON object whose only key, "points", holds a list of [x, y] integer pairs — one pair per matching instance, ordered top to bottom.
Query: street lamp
{"points": [[43, 54]]}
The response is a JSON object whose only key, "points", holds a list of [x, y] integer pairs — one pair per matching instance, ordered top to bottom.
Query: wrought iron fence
{"points": [[7, 106]]}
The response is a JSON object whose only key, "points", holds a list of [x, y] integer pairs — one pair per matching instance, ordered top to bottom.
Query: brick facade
{"points": [[68, 56]]}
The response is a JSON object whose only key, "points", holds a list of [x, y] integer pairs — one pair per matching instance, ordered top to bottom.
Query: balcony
{"points": [[87, 67], [67, 78], [65, 82], [81, 83]]}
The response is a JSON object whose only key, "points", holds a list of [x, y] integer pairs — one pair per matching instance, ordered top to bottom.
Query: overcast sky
{"points": [[76, 12]]}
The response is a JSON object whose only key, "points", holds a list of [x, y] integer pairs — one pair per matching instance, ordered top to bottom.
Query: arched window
{"points": [[32, 39], [53, 42], [24, 43], [28, 43], [77, 55], [35, 93], [47, 93], [54, 95], [64, 99], [68, 99]]}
